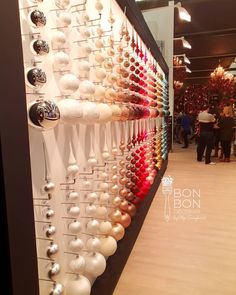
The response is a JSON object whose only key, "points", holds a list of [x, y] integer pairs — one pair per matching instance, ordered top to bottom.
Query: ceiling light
{"points": [[183, 13], [186, 44], [186, 60], [188, 70]]}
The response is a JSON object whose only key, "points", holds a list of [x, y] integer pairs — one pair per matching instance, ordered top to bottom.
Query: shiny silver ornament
{"points": [[37, 18], [36, 77], [43, 114], [52, 250], [54, 270], [57, 289]]}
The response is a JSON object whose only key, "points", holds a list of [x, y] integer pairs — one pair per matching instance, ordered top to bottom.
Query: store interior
{"points": [[92, 158]]}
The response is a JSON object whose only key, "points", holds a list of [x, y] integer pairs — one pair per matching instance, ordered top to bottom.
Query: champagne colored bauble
{"points": [[82, 17], [64, 19], [84, 32], [58, 39], [99, 43], [85, 50], [99, 57], [61, 59], [108, 64], [83, 67], [100, 73], [111, 78], [68, 84], [86, 87], [99, 94], [110, 94], [70, 110], [90, 112], [105, 112], [116, 112], [114, 151], [105, 154], [92, 161], [114, 169], [122, 172], [114, 179], [87, 184], [115, 189], [123, 192], [92, 197], [104, 197], [116, 201], [123, 205], [90, 210], [74, 211], [101, 211], [116, 215], [125, 220], [93, 226], [75, 227], [105, 227], [117, 231], [93, 244], [76, 245], [108, 246], [95, 264], [77, 265], [79, 286]]}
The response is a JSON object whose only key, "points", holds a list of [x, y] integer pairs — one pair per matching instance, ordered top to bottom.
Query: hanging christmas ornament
{"points": [[64, 19], [58, 39], [39, 47], [61, 60], [35, 77], [68, 84], [70, 110], [72, 168], [75, 227], [117, 231], [93, 244], [76, 245], [108, 246], [95, 264], [77, 265], [81, 286]]}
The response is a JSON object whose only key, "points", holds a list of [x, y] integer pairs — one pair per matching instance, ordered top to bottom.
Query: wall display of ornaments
{"points": [[97, 103]]}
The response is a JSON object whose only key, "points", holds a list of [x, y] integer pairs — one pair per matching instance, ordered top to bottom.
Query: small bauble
{"points": [[61, 60], [68, 84], [75, 227], [93, 244], [76, 245], [108, 246], [77, 265], [80, 286]]}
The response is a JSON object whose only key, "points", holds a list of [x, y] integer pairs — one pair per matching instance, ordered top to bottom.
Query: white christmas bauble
{"points": [[64, 18], [100, 31], [85, 32], [58, 39], [85, 50], [99, 57], [61, 59], [83, 66], [100, 73], [68, 84], [87, 87], [99, 92], [70, 110], [90, 112], [105, 112], [105, 154], [92, 161], [72, 170], [104, 176], [115, 179], [87, 184], [103, 186], [115, 189], [73, 196], [92, 197], [104, 197], [90, 210], [74, 211], [101, 211], [93, 226], [75, 227], [105, 227], [93, 244], [76, 245], [108, 246], [95, 264], [77, 265], [80, 286]]}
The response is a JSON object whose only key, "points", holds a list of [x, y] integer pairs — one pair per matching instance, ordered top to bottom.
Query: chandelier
{"points": [[220, 74], [221, 81]]}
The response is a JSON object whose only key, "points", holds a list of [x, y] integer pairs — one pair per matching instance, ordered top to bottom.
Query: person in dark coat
{"points": [[226, 124], [186, 128]]}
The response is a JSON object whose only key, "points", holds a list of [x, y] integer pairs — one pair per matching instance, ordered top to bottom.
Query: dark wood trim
{"points": [[137, 20], [16, 189], [106, 283]]}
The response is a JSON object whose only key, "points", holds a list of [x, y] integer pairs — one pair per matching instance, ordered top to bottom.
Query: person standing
{"points": [[226, 124], [186, 128], [206, 136]]}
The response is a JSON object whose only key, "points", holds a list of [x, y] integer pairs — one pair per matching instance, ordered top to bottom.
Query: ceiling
{"points": [[212, 34]]}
